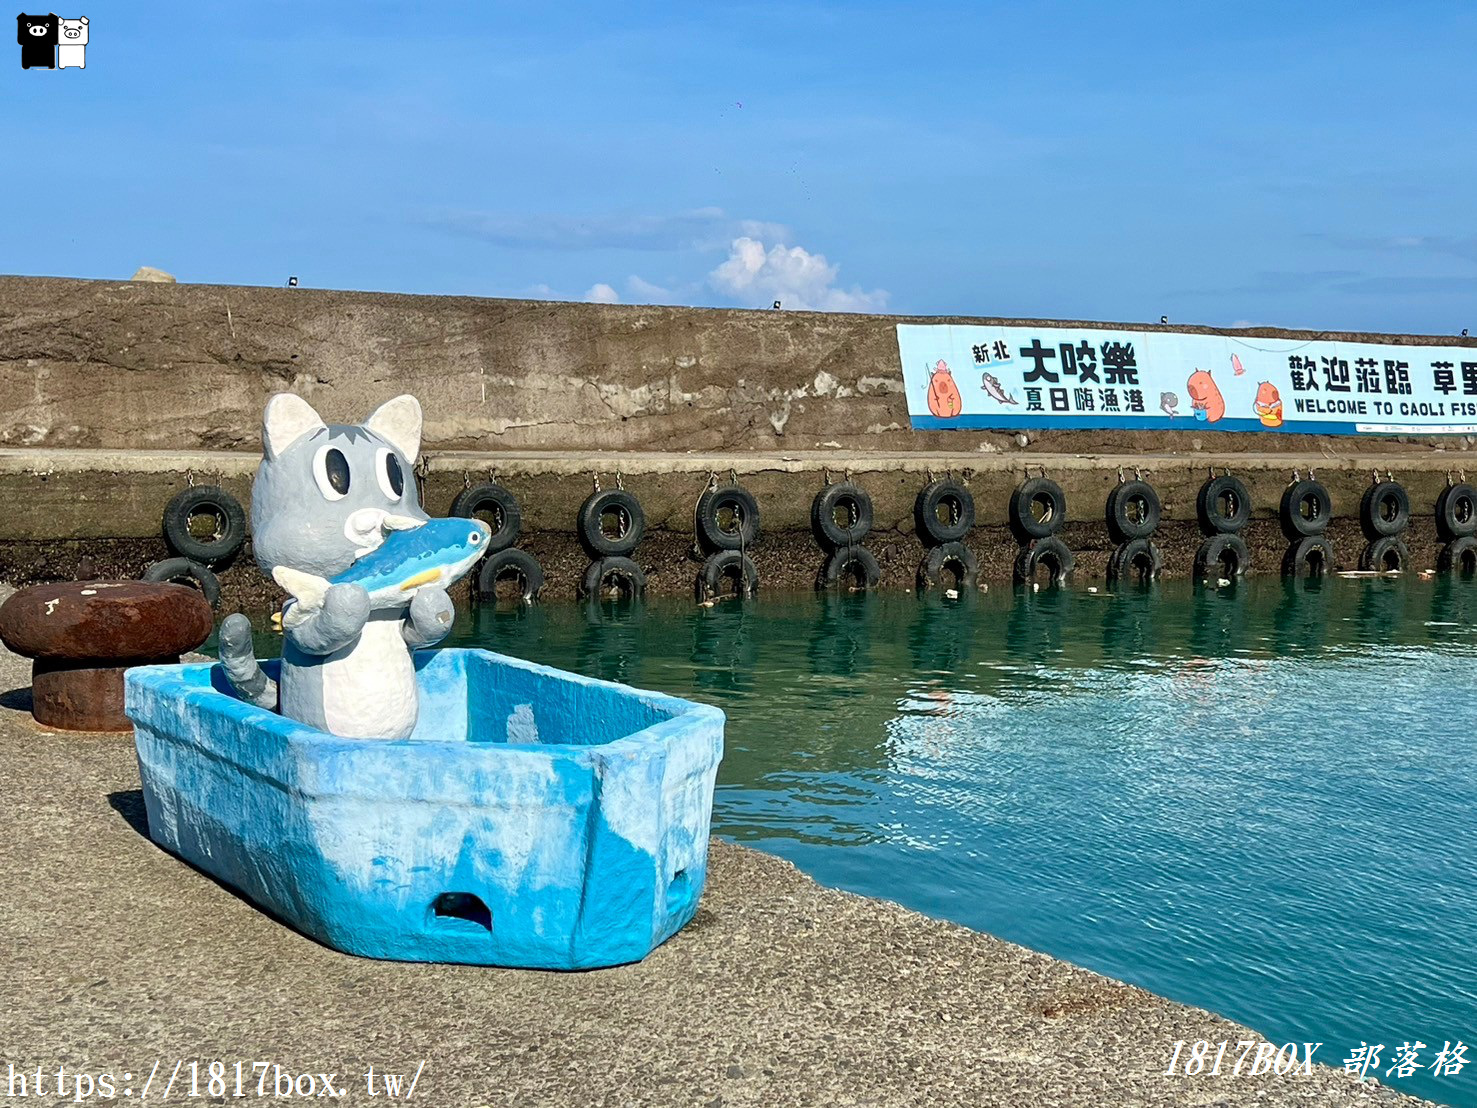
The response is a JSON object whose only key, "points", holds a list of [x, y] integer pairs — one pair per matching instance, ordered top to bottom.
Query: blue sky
{"points": [[1302, 165]]}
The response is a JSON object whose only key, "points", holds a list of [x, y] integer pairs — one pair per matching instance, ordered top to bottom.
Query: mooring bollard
{"points": [[82, 635]]}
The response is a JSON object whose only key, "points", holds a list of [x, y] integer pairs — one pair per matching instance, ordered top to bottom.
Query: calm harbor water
{"points": [[1256, 800]]}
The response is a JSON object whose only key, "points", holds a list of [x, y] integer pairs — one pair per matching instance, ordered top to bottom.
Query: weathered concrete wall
{"points": [[139, 365], [114, 395]]}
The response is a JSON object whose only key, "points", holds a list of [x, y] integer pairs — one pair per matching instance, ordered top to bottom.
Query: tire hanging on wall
{"points": [[1309, 494], [841, 497], [951, 499], [1053, 501], [1122, 501], [497, 502], [1210, 504], [741, 506], [1384, 510], [1456, 511], [630, 523], [230, 529], [1050, 552], [1224, 555], [1385, 555], [1458, 556], [946, 557], [1308, 557], [1137, 560], [519, 565], [722, 566], [851, 567], [182, 571], [607, 577]]}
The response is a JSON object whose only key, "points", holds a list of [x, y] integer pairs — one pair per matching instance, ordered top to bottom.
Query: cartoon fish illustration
{"points": [[1237, 366], [991, 384], [944, 400], [1206, 400], [1168, 402], [1268, 404], [437, 554]]}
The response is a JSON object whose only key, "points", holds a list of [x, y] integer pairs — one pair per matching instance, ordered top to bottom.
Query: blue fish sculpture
{"points": [[436, 554]]}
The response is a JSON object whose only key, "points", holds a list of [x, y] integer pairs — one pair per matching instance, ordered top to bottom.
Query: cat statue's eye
{"points": [[331, 471], [391, 476]]}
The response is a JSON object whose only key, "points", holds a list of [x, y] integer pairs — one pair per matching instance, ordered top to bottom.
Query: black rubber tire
{"points": [[943, 492], [840, 495], [741, 502], [1208, 505], [1371, 510], [1456, 511], [507, 517], [1024, 522], [1294, 524], [1123, 527], [230, 532], [592, 535], [1050, 552], [1378, 555], [1455, 555], [1209, 556], [941, 557], [1309, 557], [1125, 561], [520, 564], [722, 564], [851, 568], [616, 570], [182, 571]]}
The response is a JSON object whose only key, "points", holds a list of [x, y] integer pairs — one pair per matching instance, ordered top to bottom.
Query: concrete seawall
{"points": [[118, 394]]}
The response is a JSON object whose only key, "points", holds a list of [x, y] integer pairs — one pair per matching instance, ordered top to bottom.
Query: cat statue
{"points": [[336, 521]]}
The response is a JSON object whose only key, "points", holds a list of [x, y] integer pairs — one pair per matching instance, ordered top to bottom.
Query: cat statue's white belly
{"points": [[365, 690]]}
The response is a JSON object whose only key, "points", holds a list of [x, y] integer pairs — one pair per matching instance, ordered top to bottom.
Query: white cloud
{"points": [[755, 276], [644, 292], [601, 293]]}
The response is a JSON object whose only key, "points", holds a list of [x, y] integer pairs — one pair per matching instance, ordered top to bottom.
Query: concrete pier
{"points": [[116, 956]]}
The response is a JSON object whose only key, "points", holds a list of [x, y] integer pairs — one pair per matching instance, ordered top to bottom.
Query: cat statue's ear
{"points": [[287, 419], [399, 422]]}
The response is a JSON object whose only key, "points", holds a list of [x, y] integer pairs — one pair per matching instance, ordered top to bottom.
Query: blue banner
{"points": [[1004, 378]]}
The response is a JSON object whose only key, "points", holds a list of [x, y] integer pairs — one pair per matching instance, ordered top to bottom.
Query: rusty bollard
{"points": [[82, 635]]}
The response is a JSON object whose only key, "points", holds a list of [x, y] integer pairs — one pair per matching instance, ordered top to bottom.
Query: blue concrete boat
{"points": [[534, 818]]}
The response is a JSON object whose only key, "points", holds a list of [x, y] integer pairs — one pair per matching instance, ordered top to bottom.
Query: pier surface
{"points": [[115, 956]]}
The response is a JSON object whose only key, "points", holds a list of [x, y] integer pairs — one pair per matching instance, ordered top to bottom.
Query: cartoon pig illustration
{"points": [[944, 400], [1206, 401], [1268, 404]]}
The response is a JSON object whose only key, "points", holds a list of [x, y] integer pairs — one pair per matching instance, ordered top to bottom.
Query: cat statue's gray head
{"points": [[326, 494]]}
